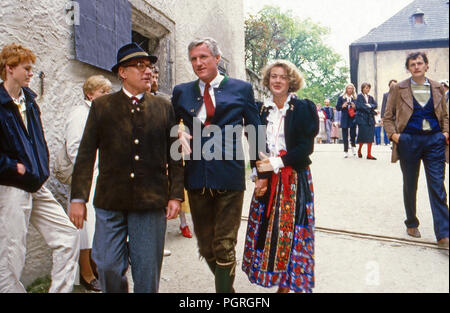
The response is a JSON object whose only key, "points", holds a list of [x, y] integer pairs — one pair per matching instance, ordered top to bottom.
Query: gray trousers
{"points": [[111, 252]]}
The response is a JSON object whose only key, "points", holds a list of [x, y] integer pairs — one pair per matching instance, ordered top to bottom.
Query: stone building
{"points": [[76, 39], [380, 56]]}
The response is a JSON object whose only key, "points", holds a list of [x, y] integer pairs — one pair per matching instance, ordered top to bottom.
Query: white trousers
{"points": [[19, 208]]}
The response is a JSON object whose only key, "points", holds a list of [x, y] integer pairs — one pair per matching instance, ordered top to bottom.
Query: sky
{"points": [[348, 20]]}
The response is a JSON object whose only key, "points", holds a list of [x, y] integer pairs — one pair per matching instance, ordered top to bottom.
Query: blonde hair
{"points": [[13, 55], [295, 77], [94, 83], [345, 91]]}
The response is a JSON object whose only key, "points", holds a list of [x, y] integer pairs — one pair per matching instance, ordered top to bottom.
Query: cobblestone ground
{"points": [[361, 242]]}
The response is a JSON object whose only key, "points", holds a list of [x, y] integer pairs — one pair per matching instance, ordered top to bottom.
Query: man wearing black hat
{"points": [[131, 131]]}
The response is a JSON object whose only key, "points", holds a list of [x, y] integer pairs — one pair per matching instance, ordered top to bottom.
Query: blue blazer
{"points": [[235, 106], [364, 114], [346, 120], [17, 145]]}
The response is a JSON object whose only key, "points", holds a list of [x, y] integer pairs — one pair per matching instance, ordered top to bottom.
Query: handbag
{"points": [[351, 112], [63, 167]]}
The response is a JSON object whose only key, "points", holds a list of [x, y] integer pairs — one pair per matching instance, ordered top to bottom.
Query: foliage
{"points": [[272, 34], [40, 285]]}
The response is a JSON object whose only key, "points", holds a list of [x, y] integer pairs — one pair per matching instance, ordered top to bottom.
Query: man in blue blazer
{"points": [[214, 166]]}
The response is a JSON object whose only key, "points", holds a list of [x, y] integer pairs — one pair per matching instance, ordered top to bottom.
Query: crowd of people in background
{"points": [[357, 119]]}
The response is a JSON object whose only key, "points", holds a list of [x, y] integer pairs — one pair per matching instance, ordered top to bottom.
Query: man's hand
{"points": [[395, 138], [185, 140], [264, 165], [21, 169], [261, 187], [173, 208], [77, 214]]}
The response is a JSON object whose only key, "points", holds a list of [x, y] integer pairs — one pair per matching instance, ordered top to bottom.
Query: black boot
{"points": [[212, 266], [225, 278]]}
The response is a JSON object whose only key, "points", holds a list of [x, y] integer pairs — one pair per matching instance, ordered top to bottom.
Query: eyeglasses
{"points": [[142, 66]]}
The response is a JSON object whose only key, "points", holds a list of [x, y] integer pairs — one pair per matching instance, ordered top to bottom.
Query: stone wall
{"points": [[41, 26], [261, 93]]}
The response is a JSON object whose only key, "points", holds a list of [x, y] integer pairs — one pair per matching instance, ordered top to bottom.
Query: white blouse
{"points": [[276, 140]]}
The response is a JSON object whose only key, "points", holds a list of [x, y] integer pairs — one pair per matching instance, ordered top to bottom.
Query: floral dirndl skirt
{"points": [[279, 245]]}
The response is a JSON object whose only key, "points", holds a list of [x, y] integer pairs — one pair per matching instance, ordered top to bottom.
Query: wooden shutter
{"points": [[105, 26]]}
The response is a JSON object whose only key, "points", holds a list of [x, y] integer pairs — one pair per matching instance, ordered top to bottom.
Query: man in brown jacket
{"points": [[416, 120], [131, 131]]}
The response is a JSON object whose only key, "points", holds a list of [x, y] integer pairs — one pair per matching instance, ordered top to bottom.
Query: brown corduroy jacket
{"points": [[400, 107], [134, 148]]}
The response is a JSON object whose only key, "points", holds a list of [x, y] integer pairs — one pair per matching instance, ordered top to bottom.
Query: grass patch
{"points": [[40, 285]]}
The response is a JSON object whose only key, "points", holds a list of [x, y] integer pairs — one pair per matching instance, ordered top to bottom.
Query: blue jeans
{"points": [[378, 135], [385, 136], [431, 150], [112, 254]]}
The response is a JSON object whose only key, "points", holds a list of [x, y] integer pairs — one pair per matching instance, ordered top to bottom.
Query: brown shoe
{"points": [[414, 232], [443, 243], [93, 285]]}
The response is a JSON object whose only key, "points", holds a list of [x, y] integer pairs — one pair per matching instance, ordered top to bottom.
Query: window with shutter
{"points": [[104, 27]]}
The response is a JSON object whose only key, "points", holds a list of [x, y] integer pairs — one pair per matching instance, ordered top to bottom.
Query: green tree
{"points": [[273, 34]]}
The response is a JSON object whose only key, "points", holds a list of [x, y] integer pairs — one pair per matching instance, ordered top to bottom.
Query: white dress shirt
{"points": [[215, 83], [129, 95]]}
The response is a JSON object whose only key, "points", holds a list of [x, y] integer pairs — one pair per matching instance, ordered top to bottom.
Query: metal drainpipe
{"points": [[375, 64]]}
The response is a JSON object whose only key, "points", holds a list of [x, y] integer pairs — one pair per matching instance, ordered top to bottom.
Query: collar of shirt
{"points": [[215, 83], [427, 83], [130, 95], [20, 99], [20, 102], [89, 103], [271, 104], [21, 105], [275, 112]]}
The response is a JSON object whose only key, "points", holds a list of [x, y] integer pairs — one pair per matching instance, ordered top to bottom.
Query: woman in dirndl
{"points": [[279, 246]]}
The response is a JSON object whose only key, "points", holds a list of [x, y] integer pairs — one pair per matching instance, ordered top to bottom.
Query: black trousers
{"points": [[352, 137], [216, 215]]}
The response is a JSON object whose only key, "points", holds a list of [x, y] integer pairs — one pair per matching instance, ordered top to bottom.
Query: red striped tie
{"points": [[135, 100], [209, 105]]}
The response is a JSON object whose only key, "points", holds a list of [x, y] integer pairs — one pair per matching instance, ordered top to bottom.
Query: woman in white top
{"points": [[94, 87], [322, 120], [279, 246]]}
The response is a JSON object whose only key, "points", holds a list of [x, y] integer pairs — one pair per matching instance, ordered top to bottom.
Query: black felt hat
{"points": [[129, 52]]}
